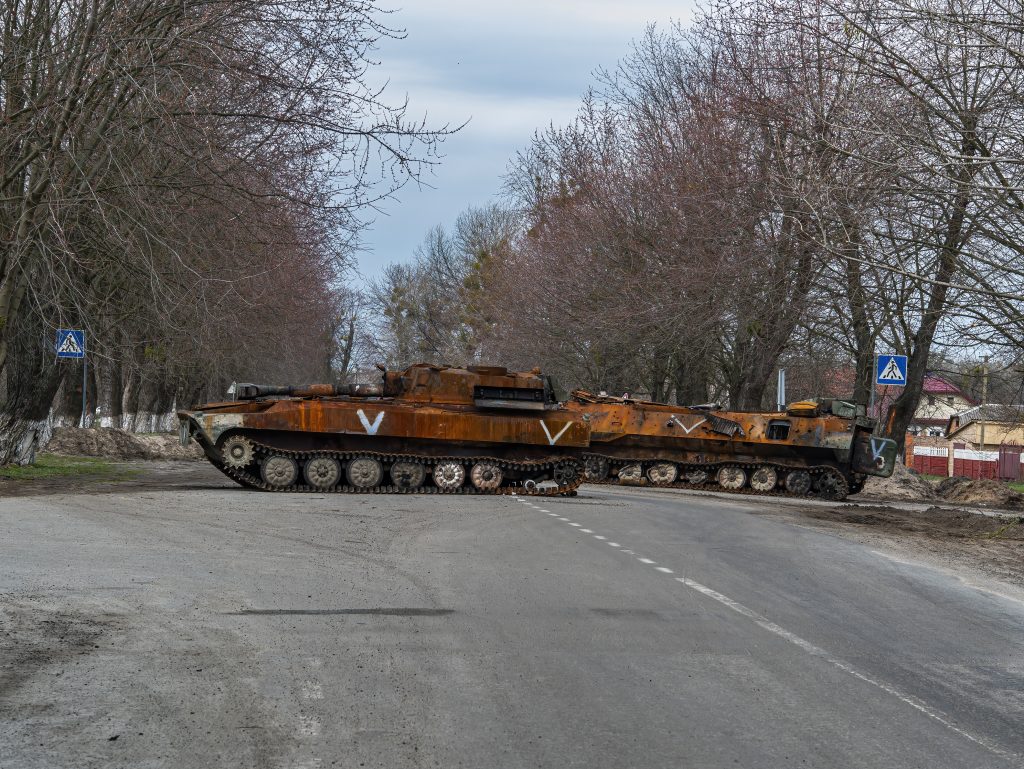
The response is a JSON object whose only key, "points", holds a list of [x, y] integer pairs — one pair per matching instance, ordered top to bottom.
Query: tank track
{"points": [[245, 478], [843, 488]]}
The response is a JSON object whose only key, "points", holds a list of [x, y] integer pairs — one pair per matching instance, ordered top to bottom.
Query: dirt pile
{"points": [[112, 443], [903, 484], [979, 492]]}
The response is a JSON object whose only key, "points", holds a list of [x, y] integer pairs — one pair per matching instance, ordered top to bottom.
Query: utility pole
{"points": [[780, 391], [984, 396]]}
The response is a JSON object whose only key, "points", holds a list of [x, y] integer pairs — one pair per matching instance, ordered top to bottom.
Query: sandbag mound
{"points": [[111, 443], [903, 484], [980, 492]]}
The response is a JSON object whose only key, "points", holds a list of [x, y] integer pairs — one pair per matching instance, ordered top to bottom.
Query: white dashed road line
{"points": [[805, 645]]}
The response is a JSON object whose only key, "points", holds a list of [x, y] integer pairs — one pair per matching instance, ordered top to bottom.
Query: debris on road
{"points": [[113, 443]]}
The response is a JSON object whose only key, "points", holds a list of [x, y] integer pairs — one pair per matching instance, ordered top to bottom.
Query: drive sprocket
{"points": [[237, 452]]}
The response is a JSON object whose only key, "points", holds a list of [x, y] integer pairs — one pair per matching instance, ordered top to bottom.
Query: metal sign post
{"points": [[71, 344]]}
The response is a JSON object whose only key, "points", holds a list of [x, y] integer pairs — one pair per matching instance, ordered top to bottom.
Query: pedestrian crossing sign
{"points": [[70, 343], [891, 370]]}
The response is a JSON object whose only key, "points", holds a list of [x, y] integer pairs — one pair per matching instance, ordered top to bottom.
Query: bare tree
{"points": [[161, 162]]}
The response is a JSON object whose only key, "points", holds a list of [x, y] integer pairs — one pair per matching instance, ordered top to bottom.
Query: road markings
{"points": [[575, 524], [586, 531], [816, 651]]}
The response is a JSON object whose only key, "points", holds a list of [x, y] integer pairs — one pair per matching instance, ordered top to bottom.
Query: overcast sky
{"points": [[508, 68]]}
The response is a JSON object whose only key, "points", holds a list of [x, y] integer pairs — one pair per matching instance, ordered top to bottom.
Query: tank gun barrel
{"points": [[246, 391]]}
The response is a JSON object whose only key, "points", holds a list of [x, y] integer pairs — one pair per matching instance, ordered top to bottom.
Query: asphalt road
{"points": [[216, 627]]}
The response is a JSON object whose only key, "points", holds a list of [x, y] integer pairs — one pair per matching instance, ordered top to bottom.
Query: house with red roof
{"points": [[940, 400]]}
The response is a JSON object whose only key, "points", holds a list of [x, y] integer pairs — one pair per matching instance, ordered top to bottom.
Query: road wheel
{"points": [[596, 469], [280, 471], [323, 472], [364, 472], [566, 472], [633, 473], [662, 473], [408, 475], [486, 475], [449, 476], [732, 477], [764, 478], [798, 482], [832, 485]]}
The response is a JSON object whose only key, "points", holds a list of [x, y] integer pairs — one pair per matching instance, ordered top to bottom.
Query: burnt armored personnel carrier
{"points": [[425, 429], [814, 447]]}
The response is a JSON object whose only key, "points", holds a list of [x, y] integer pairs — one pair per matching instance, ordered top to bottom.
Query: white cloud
{"points": [[570, 17], [511, 68]]}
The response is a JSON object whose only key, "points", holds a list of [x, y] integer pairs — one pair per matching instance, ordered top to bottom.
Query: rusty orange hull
{"points": [[389, 425], [429, 428], [643, 442]]}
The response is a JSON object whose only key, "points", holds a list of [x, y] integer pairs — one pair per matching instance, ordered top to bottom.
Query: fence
{"points": [[1004, 464]]}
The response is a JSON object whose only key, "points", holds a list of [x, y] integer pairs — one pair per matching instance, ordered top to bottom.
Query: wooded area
{"points": [[183, 180], [782, 183], [791, 183]]}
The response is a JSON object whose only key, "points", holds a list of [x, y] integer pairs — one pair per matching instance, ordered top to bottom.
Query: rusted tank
{"points": [[426, 429], [814, 447]]}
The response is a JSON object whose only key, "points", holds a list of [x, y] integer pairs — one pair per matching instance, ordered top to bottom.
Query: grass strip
{"points": [[54, 466]]}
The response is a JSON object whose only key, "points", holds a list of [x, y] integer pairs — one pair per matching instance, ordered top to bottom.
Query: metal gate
{"points": [[1009, 462]]}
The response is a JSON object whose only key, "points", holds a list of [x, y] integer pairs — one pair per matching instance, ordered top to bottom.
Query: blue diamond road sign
{"points": [[70, 343], [891, 370]]}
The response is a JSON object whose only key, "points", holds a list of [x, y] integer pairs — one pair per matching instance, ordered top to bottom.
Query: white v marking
{"points": [[371, 429], [688, 429], [553, 440], [877, 447]]}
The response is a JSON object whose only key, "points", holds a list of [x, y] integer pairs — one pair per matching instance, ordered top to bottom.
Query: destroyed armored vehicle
{"points": [[427, 429], [824, 447]]}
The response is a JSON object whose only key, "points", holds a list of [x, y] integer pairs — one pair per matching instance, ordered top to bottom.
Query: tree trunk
{"points": [[864, 339], [32, 380], [691, 382], [901, 412]]}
